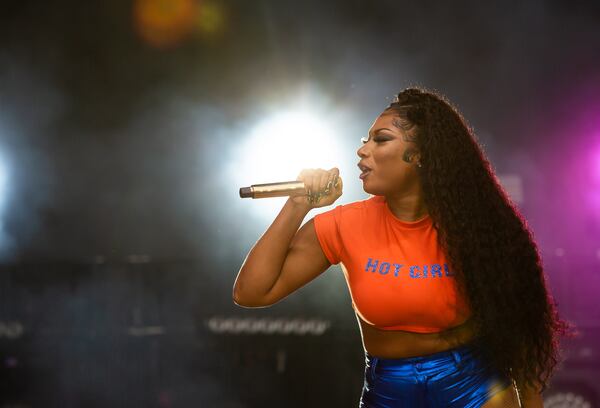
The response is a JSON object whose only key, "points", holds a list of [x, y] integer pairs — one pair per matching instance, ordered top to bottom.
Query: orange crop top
{"points": [[397, 274]]}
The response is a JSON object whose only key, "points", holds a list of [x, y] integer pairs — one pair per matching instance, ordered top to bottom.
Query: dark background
{"points": [[121, 236]]}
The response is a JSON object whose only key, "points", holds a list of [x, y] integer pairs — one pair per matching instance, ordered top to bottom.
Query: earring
{"points": [[419, 164]]}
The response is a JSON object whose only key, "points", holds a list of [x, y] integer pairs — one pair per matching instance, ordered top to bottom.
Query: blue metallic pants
{"points": [[451, 378]]}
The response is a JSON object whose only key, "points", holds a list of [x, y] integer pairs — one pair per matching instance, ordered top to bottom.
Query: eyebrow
{"points": [[377, 130]]}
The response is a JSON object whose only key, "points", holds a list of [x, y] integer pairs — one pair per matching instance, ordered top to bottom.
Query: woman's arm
{"points": [[285, 258], [264, 262]]}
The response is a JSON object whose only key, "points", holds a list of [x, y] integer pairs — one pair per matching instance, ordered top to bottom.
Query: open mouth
{"points": [[365, 171]]}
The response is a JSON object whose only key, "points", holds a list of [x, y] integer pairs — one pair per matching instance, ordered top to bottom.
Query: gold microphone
{"points": [[280, 189]]}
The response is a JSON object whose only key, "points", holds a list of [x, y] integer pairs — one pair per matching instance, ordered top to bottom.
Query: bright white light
{"points": [[278, 148], [5, 243]]}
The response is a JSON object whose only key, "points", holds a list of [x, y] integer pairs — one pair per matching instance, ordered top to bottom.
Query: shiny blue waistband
{"points": [[441, 355], [427, 363], [456, 377]]}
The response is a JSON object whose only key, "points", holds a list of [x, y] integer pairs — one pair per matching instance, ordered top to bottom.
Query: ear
{"points": [[411, 155], [417, 157]]}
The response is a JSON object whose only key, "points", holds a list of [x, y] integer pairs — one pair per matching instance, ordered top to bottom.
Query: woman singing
{"points": [[444, 275]]}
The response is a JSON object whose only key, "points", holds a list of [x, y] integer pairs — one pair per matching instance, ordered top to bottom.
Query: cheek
{"points": [[390, 160], [390, 165]]}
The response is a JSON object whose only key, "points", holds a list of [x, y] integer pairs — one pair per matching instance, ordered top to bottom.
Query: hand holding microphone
{"points": [[313, 187], [323, 187]]}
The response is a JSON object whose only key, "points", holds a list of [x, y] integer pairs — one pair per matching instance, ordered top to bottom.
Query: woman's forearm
{"points": [[264, 262]]}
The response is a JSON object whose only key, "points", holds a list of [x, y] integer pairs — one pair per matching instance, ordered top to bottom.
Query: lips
{"points": [[365, 170]]}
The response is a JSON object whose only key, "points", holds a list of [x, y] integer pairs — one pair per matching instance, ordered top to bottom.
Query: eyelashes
{"points": [[364, 140]]}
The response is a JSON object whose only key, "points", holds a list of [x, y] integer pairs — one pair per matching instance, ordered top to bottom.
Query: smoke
{"points": [[29, 106], [113, 148]]}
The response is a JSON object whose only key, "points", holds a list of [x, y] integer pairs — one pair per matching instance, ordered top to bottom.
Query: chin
{"points": [[372, 191]]}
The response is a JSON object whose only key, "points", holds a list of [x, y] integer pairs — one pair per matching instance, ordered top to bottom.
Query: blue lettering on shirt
{"points": [[371, 265], [384, 268], [414, 271], [414, 274]]}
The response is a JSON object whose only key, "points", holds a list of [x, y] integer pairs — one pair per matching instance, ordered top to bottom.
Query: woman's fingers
{"points": [[306, 176], [335, 177], [323, 179], [320, 184]]}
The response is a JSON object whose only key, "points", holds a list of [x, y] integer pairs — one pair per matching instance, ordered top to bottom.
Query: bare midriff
{"points": [[401, 344]]}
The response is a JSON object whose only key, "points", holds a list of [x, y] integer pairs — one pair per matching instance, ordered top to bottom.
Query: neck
{"points": [[407, 207]]}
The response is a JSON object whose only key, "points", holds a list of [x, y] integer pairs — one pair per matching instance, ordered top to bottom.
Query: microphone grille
{"points": [[246, 192]]}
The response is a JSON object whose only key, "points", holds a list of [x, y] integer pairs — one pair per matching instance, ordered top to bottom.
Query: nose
{"points": [[361, 151]]}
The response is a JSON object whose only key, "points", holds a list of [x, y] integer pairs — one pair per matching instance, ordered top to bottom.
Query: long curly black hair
{"points": [[496, 261]]}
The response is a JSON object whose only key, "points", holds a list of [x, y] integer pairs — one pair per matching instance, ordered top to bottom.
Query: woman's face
{"points": [[391, 155]]}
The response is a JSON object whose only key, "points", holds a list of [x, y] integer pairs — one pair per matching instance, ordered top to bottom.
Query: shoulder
{"points": [[369, 203], [359, 207]]}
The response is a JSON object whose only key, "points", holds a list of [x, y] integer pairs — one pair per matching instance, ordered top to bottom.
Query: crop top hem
{"points": [[416, 329]]}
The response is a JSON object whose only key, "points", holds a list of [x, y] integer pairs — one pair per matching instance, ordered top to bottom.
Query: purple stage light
{"points": [[596, 165]]}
